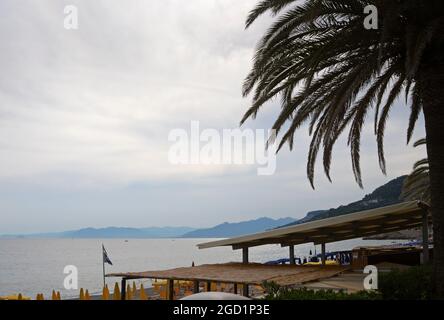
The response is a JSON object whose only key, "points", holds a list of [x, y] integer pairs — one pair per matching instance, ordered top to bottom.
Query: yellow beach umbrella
{"points": [[134, 289], [105, 293], [116, 293], [142, 293], [129, 294], [15, 297]]}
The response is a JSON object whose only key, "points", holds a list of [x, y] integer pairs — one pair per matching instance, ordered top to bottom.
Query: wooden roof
{"points": [[396, 217], [251, 273]]}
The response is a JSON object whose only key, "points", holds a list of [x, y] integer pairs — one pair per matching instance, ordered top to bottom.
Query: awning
{"points": [[396, 217], [251, 274]]}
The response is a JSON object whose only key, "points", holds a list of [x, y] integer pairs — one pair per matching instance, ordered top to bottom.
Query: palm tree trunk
{"points": [[432, 87]]}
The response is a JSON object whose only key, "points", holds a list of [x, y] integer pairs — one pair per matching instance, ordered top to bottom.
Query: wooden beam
{"points": [[334, 239], [295, 241], [256, 243], [247, 244], [291, 253], [323, 254], [245, 255], [170, 284], [195, 286], [208, 286], [235, 288], [123, 289], [245, 290]]}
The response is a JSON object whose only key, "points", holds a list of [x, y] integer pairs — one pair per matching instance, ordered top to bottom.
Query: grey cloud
{"points": [[85, 116]]}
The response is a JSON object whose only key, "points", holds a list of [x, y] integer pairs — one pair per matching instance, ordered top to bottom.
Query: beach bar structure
{"points": [[402, 216], [241, 276]]}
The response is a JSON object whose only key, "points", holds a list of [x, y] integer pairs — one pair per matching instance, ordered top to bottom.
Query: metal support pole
{"points": [[425, 237], [291, 248], [323, 254], [245, 255], [170, 283], [196, 286], [123, 289]]}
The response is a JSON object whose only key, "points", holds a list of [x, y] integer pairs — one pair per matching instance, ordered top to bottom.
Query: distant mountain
{"points": [[388, 194], [383, 196], [226, 229], [220, 231], [113, 232]]}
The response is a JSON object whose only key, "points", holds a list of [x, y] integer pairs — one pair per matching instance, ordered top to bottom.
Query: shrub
{"points": [[414, 283], [274, 292]]}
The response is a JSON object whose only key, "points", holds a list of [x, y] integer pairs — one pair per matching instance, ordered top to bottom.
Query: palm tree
{"points": [[329, 71], [417, 184]]}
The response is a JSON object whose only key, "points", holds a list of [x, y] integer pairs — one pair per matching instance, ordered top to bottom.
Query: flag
{"points": [[105, 256]]}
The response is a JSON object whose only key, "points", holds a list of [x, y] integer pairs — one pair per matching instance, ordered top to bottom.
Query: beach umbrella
{"points": [[134, 289], [105, 293], [116, 293], [142, 293], [82, 294], [129, 294], [54, 295], [87, 296], [15, 297]]}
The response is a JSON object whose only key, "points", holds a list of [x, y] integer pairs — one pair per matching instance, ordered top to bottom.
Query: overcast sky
{"points": [[85, 116]]}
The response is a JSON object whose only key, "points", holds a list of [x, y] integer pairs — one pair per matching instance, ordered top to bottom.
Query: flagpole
{"points": [[103, 265]]}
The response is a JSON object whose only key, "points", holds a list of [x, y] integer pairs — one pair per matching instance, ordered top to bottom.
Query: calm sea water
{"points": [[32, 266]]}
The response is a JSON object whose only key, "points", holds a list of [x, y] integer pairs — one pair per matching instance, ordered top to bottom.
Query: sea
{"points": [[31, 266]]}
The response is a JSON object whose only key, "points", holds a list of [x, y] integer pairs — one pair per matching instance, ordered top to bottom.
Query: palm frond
{"points": [[329, 71], [417, 184]]}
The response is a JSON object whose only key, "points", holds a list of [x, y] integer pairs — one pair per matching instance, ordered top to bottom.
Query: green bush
{"points": [[414, 283], [274, 292]]}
